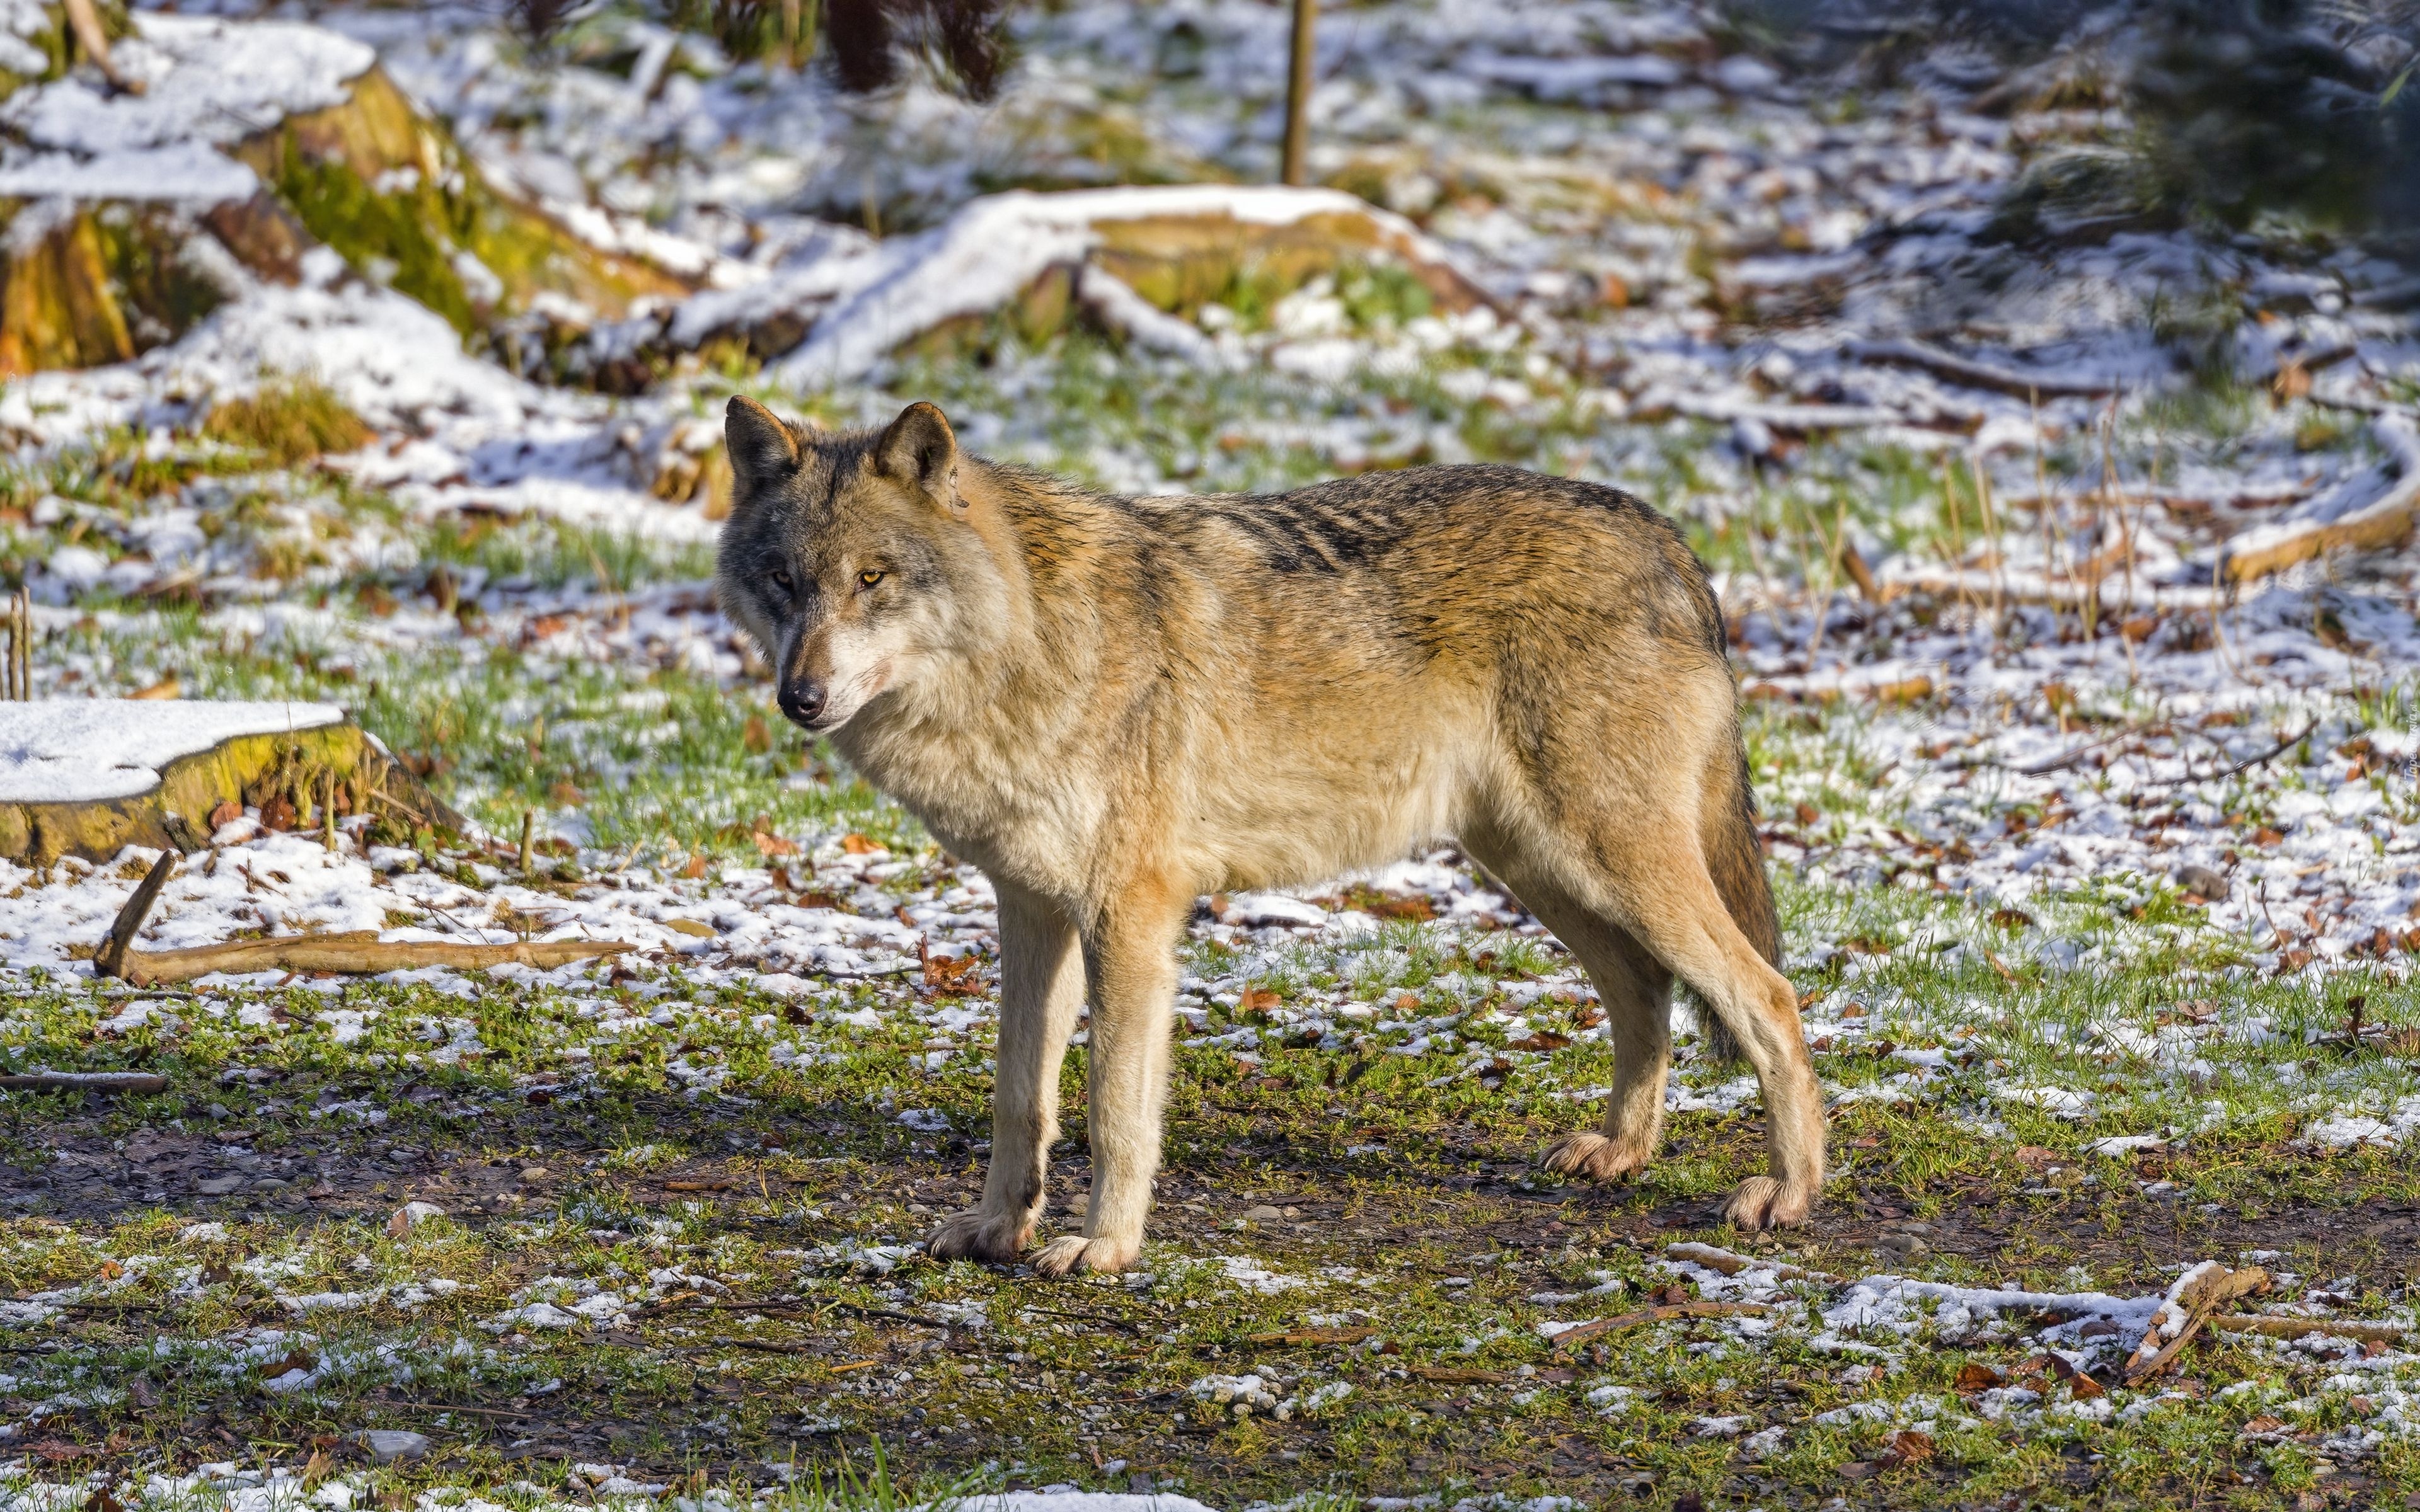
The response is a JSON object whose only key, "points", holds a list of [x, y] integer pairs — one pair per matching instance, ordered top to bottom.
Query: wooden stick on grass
{"points": [[358, 952], [109, 960], [2200, 1296], [2294, 1328]]}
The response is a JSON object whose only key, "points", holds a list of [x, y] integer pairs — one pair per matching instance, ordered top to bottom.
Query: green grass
{"points": [[1427, 1227]]}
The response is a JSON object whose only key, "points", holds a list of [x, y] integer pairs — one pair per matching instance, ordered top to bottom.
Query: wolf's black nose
{"points": [[802, 699]]}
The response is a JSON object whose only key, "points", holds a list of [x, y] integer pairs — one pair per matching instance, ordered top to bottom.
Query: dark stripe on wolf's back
{"points": [[1330, 527]]}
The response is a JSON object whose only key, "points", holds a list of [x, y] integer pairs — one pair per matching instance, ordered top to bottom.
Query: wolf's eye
{"points": [[870, 576], [782, 580]]}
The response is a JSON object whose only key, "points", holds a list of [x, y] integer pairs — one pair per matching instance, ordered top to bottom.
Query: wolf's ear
{"points": [[763, 448], [919, 450]]}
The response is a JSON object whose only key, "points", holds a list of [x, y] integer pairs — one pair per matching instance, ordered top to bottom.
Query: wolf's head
{"points": [[851, 558]]}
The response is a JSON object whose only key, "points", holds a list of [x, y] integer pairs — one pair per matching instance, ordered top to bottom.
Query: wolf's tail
{"points": [[1736, 858]]}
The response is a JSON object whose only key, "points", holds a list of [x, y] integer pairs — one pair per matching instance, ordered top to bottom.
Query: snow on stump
{"points": [[89, 777]]}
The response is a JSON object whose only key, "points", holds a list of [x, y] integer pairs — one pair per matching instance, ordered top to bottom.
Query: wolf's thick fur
{"points": [[1115, 705]]}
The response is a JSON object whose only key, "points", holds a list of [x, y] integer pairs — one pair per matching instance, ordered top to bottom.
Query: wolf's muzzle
{"points": [[802, 700]]}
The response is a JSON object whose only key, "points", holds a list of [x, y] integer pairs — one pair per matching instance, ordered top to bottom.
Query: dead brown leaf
{"points": [[771, 845], [950, 974], [1540, 1039], [1975, 1377], [1908, 1446]]}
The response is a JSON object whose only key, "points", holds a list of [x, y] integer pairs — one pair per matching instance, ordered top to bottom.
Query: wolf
{"points": [[1114, 705]]}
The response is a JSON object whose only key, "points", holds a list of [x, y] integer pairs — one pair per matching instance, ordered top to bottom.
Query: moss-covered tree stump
{"points": [[89, 777]]}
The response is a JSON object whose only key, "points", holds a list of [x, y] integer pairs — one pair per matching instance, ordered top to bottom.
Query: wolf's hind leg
{"points": [[1665, 896], [1130, 964], [1041, 987], [1637, 992]]}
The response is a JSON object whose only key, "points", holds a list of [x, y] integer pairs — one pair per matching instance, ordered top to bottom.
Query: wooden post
{"points": [[1298, 85], [21, 650]]}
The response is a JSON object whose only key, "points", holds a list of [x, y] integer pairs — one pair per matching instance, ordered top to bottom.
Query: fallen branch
{"points": [[1977, 375], [2380, 523], [358, 952], [109, 960], [85, 1081], [2198, 1294], [1598, 1328], [2294, 1328]]}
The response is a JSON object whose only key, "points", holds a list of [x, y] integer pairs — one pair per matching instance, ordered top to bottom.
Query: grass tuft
{"points": [[290, 421]]}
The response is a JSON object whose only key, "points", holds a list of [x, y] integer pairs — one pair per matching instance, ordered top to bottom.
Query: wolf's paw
{"points": [[1593, 1156], [1762, 1202], [981, 1235], [1074, 1252]]}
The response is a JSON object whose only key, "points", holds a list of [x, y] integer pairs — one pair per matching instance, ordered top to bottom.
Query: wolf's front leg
{"points": [[1130, 962], [1041, 987]]}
